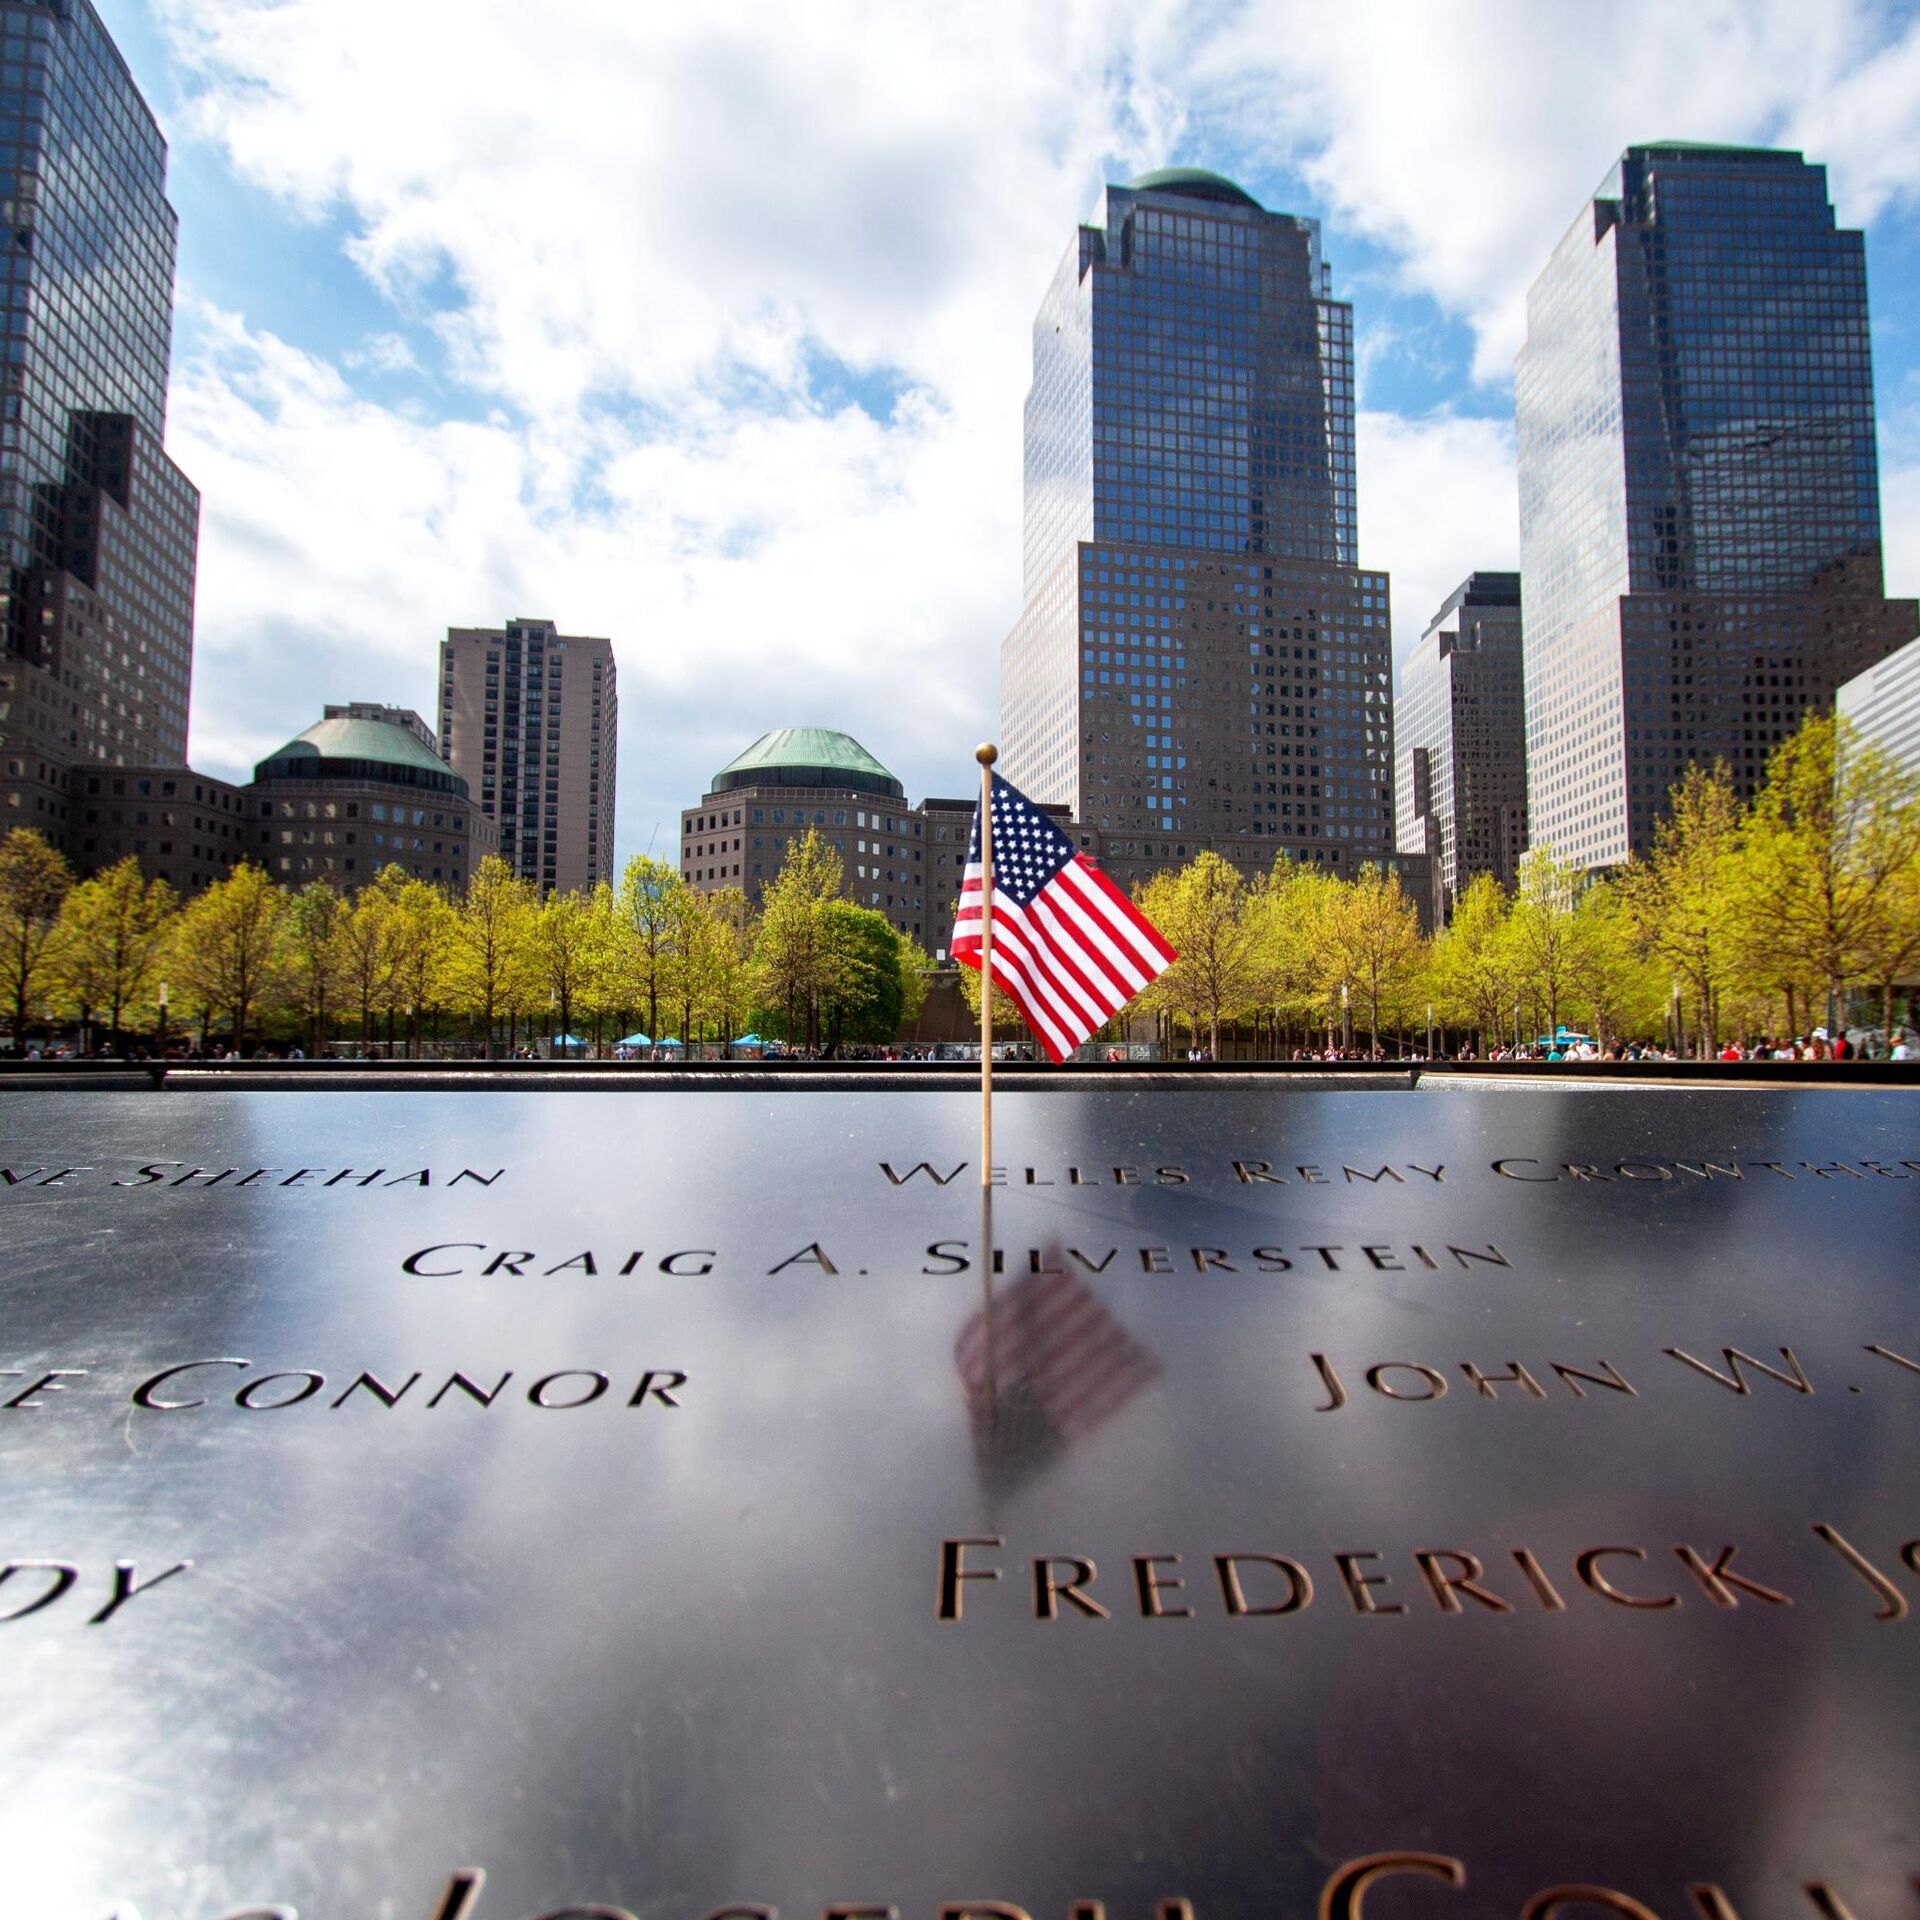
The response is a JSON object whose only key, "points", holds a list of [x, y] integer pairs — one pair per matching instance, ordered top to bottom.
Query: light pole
{"points": [[162, 997], [1673, 1016], [1346, 1021], [1429, 1029]]}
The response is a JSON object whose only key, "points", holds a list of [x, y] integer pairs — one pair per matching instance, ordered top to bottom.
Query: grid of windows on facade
{"points": [[1222, 387], [1700, 521], [97, 528], [1199, 662], [1234, 704], [1883, 705], [528, 716], [1460, 737], [183, 828], [741, 840], [348, 842]]}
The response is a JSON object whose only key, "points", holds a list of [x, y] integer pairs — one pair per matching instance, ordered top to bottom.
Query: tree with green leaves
{"points": [[1833, 829], [34, 880], [649, 892], [1684, 899], [1291, 911], [1201, 912], [424, 929], [1544, 931], [112, 934], [1374, 938], [564, 943], [491, 944], [227, 946], [369, 948], [1890, 948], [799, 953], [730, 958], [1472, 963], [317, 965], [916, 970], [1621, 987], [605, 990], [861, 996]]}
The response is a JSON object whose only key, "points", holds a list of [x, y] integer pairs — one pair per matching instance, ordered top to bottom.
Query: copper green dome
{"points": [[1194, 183], [371, 750], [807, 757]]}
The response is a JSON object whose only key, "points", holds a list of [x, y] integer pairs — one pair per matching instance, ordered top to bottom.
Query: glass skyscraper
{"points": [[1699, 500], [98, 528], [1200, 660], [1459, 726]]}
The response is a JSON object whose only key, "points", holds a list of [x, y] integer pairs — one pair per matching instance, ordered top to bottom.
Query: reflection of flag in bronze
{"points": [[1069, 948], [1043, 1365]]}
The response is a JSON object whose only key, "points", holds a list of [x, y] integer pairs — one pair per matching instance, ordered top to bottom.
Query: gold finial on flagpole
{"points": [[986, 753]]}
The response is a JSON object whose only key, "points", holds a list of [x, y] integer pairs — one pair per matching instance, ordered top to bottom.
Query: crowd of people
{"points": [[1819, 1045]]}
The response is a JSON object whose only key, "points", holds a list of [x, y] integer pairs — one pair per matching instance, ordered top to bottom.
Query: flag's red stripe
{"points": [[1114, 911], [1079, 925], [1019, 934], [1147, 936], [1071, 958], [1011, 981], [1025, 987], [1109, 988], [1093, 1000], [1059, 1045]]}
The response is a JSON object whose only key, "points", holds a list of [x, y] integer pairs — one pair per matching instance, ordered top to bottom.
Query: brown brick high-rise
{"points": [[529, 718]]}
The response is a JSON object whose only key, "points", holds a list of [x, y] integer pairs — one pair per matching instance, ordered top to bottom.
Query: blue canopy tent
{"points": [[634, 1040], [749, 1040], [569, 1043], [666, 1043]]}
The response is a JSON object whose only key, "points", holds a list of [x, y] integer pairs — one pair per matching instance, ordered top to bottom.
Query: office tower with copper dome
{"points": [[1201, 661]]}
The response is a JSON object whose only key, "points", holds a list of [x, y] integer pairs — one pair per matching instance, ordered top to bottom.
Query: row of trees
{"points": [[1743, 921], [401, 958]]}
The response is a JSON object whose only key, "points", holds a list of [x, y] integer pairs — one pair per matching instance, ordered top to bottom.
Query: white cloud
{"points": [[1465, 135], [665, 244], [658, 248], [383, 353], [1437, 502], [755, 570]]}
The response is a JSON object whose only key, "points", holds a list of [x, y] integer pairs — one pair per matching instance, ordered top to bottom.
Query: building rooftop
{"points": [[1193, 183], [373, 744], [807, 756]]}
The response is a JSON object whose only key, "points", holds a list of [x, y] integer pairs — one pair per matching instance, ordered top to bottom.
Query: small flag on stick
{"points": [[1039, 920]]}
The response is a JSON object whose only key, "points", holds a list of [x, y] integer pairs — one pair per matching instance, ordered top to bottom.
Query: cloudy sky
{"points": [[706, 327]]}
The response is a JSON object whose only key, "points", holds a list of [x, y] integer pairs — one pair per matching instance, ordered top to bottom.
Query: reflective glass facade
{"points": [[1699, 504], [98, 528], [1200, 661], [1459, 729]]}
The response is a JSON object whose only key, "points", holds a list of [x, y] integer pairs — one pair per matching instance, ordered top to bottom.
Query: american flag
{"points": [[1069, 948], [1042, 1366]]}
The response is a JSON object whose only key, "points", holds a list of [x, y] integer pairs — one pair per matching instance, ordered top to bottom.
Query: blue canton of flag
{"points": [[1069, 948]]}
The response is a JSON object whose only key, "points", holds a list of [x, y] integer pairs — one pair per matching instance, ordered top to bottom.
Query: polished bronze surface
{"points": [[1454, 1501]]}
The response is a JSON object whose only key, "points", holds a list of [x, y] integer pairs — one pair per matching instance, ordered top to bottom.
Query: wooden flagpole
{"points": [[986, 754]]}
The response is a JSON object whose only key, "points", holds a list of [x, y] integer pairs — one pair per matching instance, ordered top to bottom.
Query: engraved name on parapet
{"points": [[171, 1175]]}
